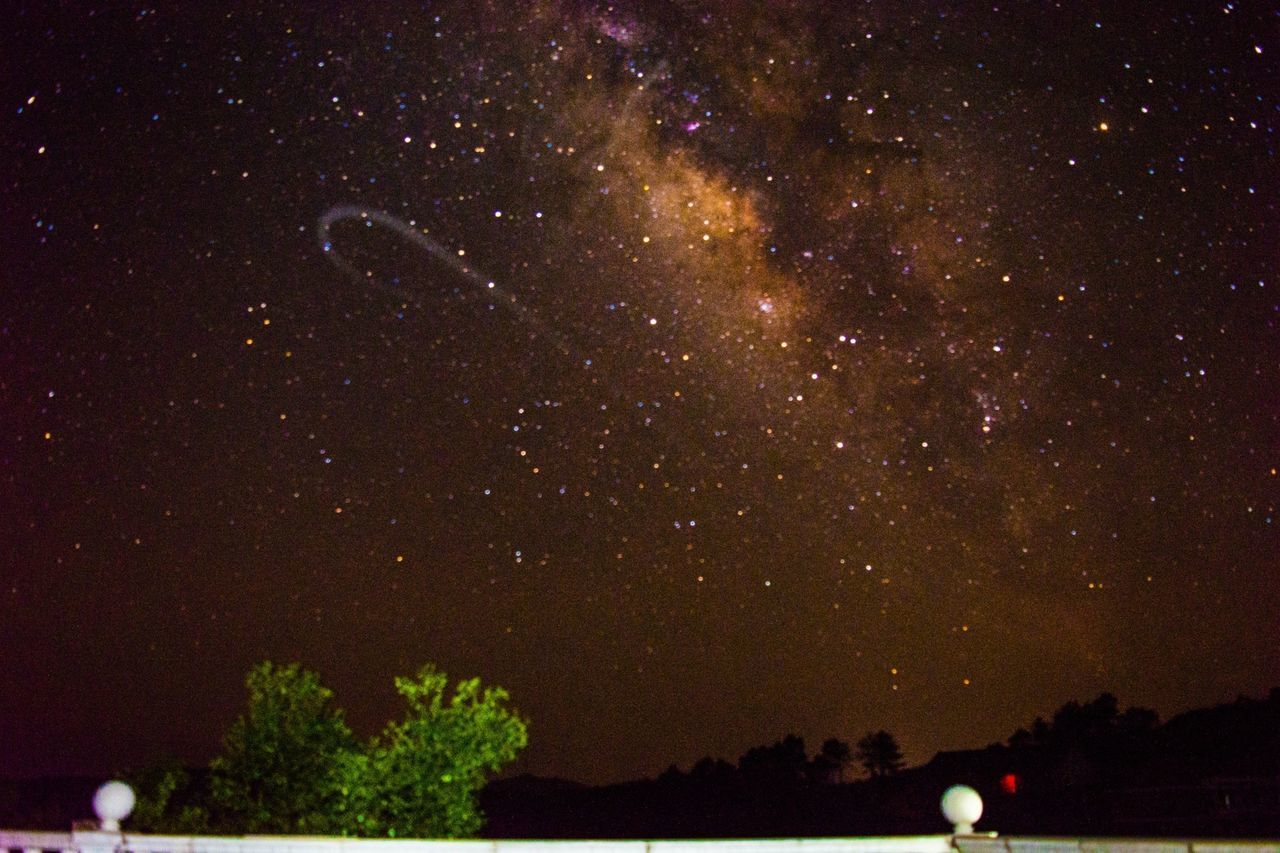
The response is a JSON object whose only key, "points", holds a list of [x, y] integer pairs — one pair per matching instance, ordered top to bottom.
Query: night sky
{"points": [[700, 372]]}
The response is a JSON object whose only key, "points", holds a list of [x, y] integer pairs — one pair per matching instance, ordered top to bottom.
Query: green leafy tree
{"points": [[879, 755], [290, 764], [279, 768], [420, 777], [168, 800]]}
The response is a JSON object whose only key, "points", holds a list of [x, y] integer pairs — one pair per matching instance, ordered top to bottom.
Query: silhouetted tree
{"points": [[1136, 720], [1075, 724], [1093, 724], [1040, 730], [1021, 738], [879, 755], [831, 760], [782, 763], [712, 768], [671, 774]]}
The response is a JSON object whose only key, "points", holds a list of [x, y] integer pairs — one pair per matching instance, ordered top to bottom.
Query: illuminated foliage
{"points": [[290, 765], [278, 769], [421, 776], [169, 800]]}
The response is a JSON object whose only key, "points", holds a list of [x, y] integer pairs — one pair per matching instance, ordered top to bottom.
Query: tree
{"points": [[1136, 720], [1075, 724], [1093, 724], [879, 755], [831, 760], [783, 763], [291, 765], [708, 768], [278, 769], [421, 776], [169, 800]]}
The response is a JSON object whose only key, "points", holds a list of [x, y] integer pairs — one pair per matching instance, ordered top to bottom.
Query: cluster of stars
{"points": [[645, 347]]}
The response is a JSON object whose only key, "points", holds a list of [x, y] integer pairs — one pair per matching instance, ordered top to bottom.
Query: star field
{"points": [[698, 372]]}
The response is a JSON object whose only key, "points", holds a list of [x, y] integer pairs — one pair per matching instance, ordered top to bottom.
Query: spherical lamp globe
{"points": [[112, 803], [962, 806]]}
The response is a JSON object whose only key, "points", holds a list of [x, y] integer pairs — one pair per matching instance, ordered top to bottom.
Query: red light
{"points": [[1009, 783]]}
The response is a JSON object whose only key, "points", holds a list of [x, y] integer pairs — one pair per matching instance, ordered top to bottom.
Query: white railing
{"points": [[961, 806], [13, 840], [126, 842], [994, 844]]}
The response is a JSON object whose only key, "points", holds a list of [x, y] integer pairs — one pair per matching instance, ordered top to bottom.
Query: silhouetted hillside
{"points": [[1091, 769]]}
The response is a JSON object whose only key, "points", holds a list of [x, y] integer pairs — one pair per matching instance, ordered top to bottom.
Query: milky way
{"points": [[698, 373]]}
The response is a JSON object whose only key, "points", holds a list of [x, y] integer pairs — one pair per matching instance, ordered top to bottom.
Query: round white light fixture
{"points": [[112, 803], [962, 807]]}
